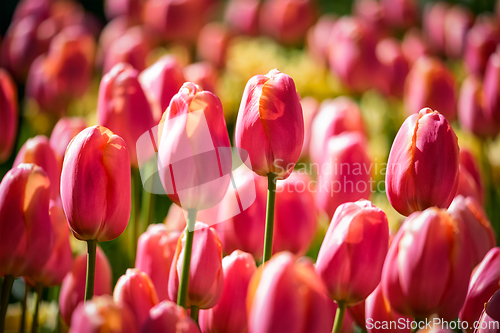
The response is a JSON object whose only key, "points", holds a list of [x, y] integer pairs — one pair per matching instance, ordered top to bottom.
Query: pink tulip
{"points": [[131, 9], [40, 10], [370, 12], [400, 13], [242, 16], [457, 22], [434, 24], [113, 30], [317, 35], [481, 41], [213, 43], [414, 46], [391, 57], [203, 74], [161, 81], [430, 84], [491, 90], [123, 107], [310, 108], [8, 115], [334, 117], [270, 124], [62, 134], [38, 151], [193, 159], [422, 170], [471, 174], [345, 175], [95, 185], [467, 187], [175, 219], [26, 235], [357, 239], [155, 253], [427, 267], [205, 275], [484, 282], [73, 286], [136, 291], [287, 295], [380, 313], [101, 314], [230, 314], [358, 314], [169, 317], [488, 322]]}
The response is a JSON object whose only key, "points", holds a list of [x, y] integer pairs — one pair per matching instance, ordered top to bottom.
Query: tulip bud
{"points": [[400, 13], [242, 16], [457, 22], [434, 24], [317, 35], [481, 41], [213, 42], [414, 46], [132, 47], [396, 66], [203, 74], [162, 81], [430, 84], [491, 92], [123, 107], [310, 107], [8, 115], [334, 117], [270, 125], [64, 131], [38, 151], [422, 170], [345, 175], [470, 184], [95, 185], [357, 229], [26, 237], [155, 253], [427, 267], [205, 275], [484, 282], [73, 286], [136, 291], [286, 295], [379, 310], [101, 314], [230, 314], [169, 317], [489, 320]]}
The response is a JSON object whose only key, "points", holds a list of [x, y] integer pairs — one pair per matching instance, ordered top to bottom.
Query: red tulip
{"points": [[131, 9], [370, 12], [400, 13], [242, 16], [457, 22], [434, 24], [113, 30], [317, 35], [481, 41], [213, 43], [414, 46], [391, 56], [203, 74], [162, 81], [430, 84], [491, 90], [123, 107], [310, 108], [8, 115], [270, 124], [62, 134], [38, 151], [193, 159], [469, 166], [422, 170], [345, 175], [95, 185], [26, 235], [357, 239], [155, 253], [427, 267], [205, 275], [484, 282], [73, 286], [136, 291], [287, 295], [380, 313], [101, 314], [230, 314], [358, 314], [169, 317], [489, 320]]}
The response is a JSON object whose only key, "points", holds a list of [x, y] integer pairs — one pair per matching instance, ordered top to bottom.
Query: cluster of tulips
{"points": [[253, 241]]}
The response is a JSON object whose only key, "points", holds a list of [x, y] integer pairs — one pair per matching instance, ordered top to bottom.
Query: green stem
{"points": [[271, 198], [136, 209], [147, 213], [91, 257], [8, 281], [184, 282], [38, 298], [195, 311], [339, 317], [22, 324]]}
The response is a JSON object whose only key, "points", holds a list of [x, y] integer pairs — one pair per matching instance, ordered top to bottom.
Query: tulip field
{"points": [[248, 166]]}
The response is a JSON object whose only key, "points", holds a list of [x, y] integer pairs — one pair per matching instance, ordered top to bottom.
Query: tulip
{"points": [[131, 9], [40, 10], [370, 11], [400, 13], [242, 16], [287, 20], [457, 22], [434, 24], [113, 30], [317, 35], [480, 42], [213, 43], [414, 46], [391, 56], [203, 74], [162, 81], [430, 84], [491, 89], [123, 107], [310, 108], [8, 115], [334, 117], [62, 134], [38, 151], [469, 169], [422, 170], [345, 175], [467, 187], [175, 219], [357, 228], [155, 253], [427, 267], [205, 270], [484, 282], [73, 286], [136, 291], [288, 296], [378, 310], [357, 313], [102, 315], [230, 315], [169, 317], [488, 322]]}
